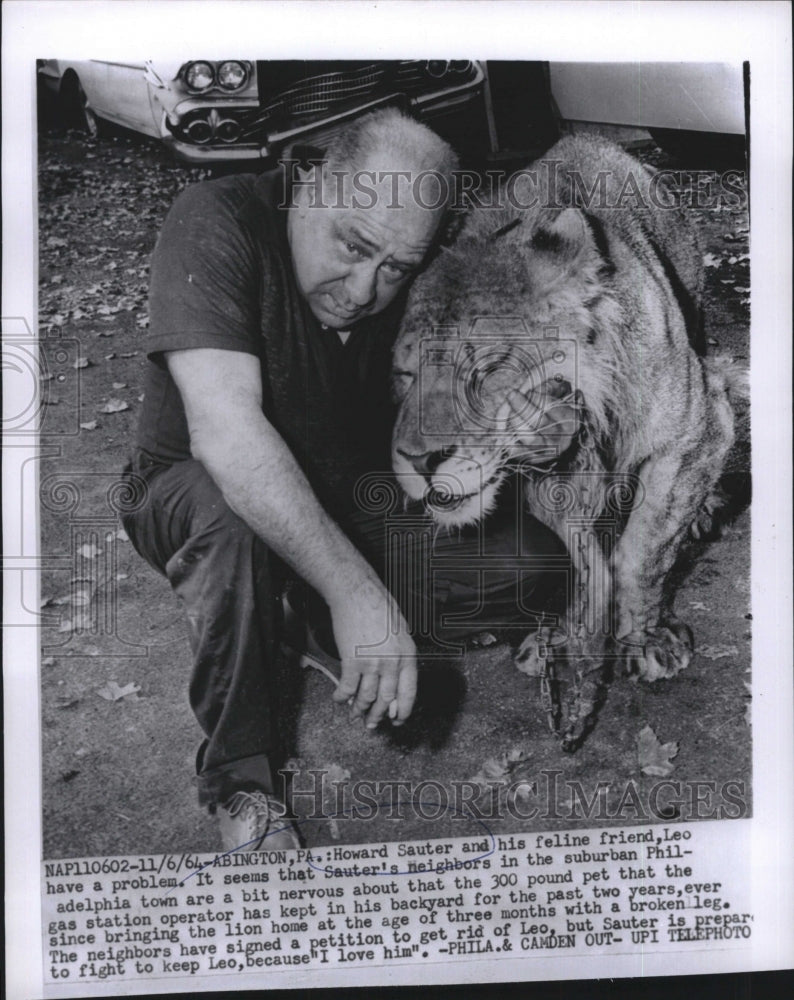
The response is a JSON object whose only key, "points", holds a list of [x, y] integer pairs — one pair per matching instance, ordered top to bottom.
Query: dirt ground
{"points": [[119, 740]]}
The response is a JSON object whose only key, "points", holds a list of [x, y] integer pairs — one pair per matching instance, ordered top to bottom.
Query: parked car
{"points": [[690, 109], [209, 110]]}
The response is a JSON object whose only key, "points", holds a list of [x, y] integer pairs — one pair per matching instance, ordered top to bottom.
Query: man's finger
{"points": [[348, 682], [406, 689], [367, 690], [387, 692]]}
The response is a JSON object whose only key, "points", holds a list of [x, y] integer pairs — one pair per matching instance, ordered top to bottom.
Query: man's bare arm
{"points": [[263, 484]]}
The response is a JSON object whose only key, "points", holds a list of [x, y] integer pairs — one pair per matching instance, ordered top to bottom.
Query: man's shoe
{"points": [[302, 640], [253, 820]]}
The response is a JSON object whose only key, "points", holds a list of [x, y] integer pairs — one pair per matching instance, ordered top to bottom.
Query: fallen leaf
{"points": [[82, 363], [119, 385], [114, 406], [90, 425], [89, 551], [81, 599], [698, 606], [484, 639], [717, 652], [48, 661], [114, 692], [66, 701], [655, 758], [496, 770], [524, 791]]}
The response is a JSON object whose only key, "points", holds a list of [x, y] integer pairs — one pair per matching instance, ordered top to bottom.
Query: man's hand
{"points": [[383, 677]]}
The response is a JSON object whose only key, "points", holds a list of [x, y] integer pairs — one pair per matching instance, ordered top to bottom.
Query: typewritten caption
{"points": [[593, 892]]}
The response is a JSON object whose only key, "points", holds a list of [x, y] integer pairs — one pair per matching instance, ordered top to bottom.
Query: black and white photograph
{"points": [[389, 497], [405, 507]]}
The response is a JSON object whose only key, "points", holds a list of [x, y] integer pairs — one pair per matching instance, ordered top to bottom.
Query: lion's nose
{"points": [[427, 463]]}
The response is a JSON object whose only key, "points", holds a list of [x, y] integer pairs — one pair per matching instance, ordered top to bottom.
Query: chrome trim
{"points": [[315, 126]]}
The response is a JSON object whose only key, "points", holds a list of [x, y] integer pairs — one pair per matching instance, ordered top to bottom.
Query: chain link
{"points": [[547, 699]]}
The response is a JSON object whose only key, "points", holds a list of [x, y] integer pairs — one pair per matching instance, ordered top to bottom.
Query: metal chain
{"points": [[583, 583], [547, 700]]}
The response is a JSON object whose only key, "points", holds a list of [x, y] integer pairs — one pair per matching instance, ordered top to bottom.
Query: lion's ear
{"points": [[563, 243]]}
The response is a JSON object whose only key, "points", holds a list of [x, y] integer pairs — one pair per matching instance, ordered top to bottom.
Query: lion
{"points": [[559, 339]]}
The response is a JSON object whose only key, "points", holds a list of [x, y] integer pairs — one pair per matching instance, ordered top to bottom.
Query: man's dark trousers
{"points": [[449, 583]]}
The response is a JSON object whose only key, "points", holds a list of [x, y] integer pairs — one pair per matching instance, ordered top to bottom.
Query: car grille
{"points": [[348, 84], [303, 96]]}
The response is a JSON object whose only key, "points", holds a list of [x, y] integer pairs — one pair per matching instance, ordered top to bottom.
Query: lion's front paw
{"points": [[537, 649], [659, 652]]}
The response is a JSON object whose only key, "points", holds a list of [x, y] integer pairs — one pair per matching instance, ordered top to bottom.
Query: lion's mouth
{"points": [[440, 499]]}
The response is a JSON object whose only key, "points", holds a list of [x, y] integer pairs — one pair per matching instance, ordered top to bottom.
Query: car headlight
{"points": [[436, 68], [199, 75], [232, 75]]}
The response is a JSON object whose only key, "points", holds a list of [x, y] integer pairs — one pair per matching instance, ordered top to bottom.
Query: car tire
{"points": [[77, 112]]}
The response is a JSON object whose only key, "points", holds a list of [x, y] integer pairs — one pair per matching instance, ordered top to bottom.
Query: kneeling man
{"points": [[274, 303]]}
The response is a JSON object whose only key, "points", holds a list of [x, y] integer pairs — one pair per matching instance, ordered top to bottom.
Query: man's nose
{"points": [[361, 284]]}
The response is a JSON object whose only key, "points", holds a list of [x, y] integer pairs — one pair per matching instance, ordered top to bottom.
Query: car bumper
{"points": [[455, 102], [196, 155]]}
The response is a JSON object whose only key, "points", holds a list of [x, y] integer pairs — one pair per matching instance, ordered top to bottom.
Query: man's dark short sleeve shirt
{"points": [[222, 277]]}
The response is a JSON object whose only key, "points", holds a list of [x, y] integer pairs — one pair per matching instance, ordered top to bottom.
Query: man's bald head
{"points": [[390, 140]]}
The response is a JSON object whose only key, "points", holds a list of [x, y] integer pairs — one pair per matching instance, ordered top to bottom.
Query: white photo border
{"points": [[720, 31]]}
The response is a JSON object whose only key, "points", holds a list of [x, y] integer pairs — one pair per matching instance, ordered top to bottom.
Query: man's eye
{"points": [[353, 249], [394, 270]]}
